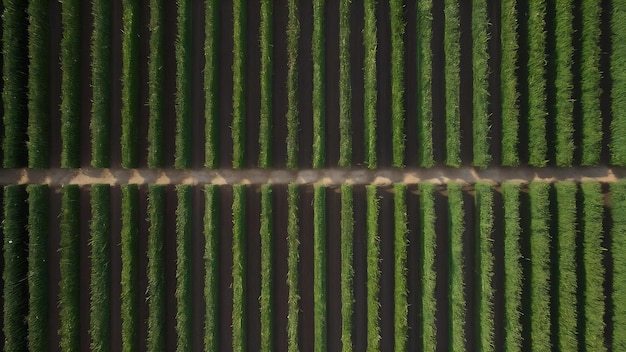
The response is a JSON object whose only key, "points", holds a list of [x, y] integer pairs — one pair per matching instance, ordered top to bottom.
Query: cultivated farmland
{"points": [[313, 175]]}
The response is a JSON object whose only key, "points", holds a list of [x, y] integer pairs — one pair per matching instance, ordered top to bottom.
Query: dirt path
{"points": [[330, 177]]}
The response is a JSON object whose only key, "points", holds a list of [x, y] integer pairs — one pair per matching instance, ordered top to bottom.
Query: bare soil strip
{"points": [[329, 177]]}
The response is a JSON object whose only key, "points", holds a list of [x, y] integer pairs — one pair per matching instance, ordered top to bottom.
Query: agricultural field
{"points": [[206, 175]]}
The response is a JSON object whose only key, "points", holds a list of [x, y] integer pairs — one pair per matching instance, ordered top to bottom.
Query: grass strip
{"points": [[293, 33], [370, 43], [452, 48], [480, 66], [397, 81], [15, 82], [130, 82], [425, 82], [70, 84], [319, 84], [509, 84], [38, 85], [618, 88], [345, 91], [211, 93], [537, 109], [564, 109], [265, 118], [156, 120], [100, 124], [238, 127], [591, 145], [182, 158], [38, 210], [593, 210], [540, 243], [565, 243], [428, 247], [618, 251], [293, 257], [485, 263], [130, 267], [156, 267], [512, 267], [183, 268], [239, 268], [319, 268], [347, 269], [211, 270], [373, 270], [15, 271], [267, 279], [456, 283], [100, 284], [69, 285], [401, 291]]}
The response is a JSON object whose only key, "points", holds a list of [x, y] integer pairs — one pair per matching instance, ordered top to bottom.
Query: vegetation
{"points": [[370, 42], [452, 49], [480, 68], [101, 82], [130, 82], [397, 82], [424, 82], [70, 84], [509, 84], [38, 85], [319, 85], [618, 90], [345, 92], [211, 94], [564, 104], [537, 109], [265, 124], [293, 124], [156, 128], [238, 128], [591, 145], [182, 159], [38, 210], [211, 248], [427, 250], [618, 251], [293, 257], [456, 263], [485, 264], [130, 267], [156, 267], [319, 267], [183, 268], [239, 268], [347, 269], [16, 270], [373, 271], [513, 275], [267, 278], [401, 308], [100, 318]]}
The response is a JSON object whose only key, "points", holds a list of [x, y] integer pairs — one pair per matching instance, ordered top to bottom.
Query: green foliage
{"points": [[293, 34], [370, 42], [452, 48], [480, 66], [15, 82], [130, 82], [397, 82], [424, 82], [101, 83], [70, 84], [509, 84], [38, 85], [618, 89], [319, 90], [345, 91], [211, 94], [537, 109], [564, 109], [156, 118], [265, 124], [238, 127], [591, 145], [182, 158], [593, 208], [38, 210], [293, 243], [565, 243], [540, 244], [618, 251], [485, 264], [130, 267], [156, 267], [319, 267], [512, 267], [183, 268], [239, 268], [347, 270], [15, 271], [373, 271], [429, 274], [267, 279], [211, 280], [456, 283], [69, 285], [401, 304], [100, 318]]}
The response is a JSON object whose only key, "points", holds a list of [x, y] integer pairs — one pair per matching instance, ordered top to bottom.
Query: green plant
{"points": [[293, 34], [370, 42], [452, 48], [480, 66], [397, 81], [130, 82], [424, 82], [101, 83], [70, 84], [509, 84], [38, 85], [319, 86], [618, 90], [345, 91], [211, 94], [537, 109], [564, 109], [156, 118], [265, 124], [238, 129], [182, 158], [293, 243], [427, 250], [618, 250], [211, 262], [485, 264], [130, 267], [156, 267], [183, 267], [319, 267], [239, 268], [347, 270], [373, 270], [456, 270], [513, 275], [267, 279], [100, 284], [69, 285], [401, 304]]}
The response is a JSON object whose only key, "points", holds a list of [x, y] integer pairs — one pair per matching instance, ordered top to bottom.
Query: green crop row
{"points": [[293, 35], [370, 43], [452, 48], [480, 66], [211, 73], [591, 75], [130, 82], [397, 82], [424, 82], [101, 83], [70, 84], [509, 84], [536, 84], [38, 85], [319, 86], [618, 90], [345, 92], [564, 104], [156, 118], [265, 118], [238, 129], [182, 159], [211, 250], [618, 251], [293, 257], [456, 263], [485, 265], [130, 267], [156, 267], [183, 268], [319, 268], [347, 269], [373, 271], [429, 275], [513, 275], [267, 279], [38, 282], [100, 283], [69, 286], [401, 304], [239, 330]]}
